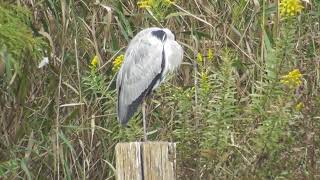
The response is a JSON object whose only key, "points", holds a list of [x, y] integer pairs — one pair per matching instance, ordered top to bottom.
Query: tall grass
{"points": [[227, 108]]}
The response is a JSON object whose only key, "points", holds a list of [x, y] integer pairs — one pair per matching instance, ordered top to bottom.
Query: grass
{"points": [[230, 112]]}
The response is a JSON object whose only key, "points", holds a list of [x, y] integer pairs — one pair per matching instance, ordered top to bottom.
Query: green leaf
{"points": [[25, 168]]}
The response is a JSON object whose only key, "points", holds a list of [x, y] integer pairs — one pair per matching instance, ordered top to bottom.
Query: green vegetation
{"points": [[244, 104]]}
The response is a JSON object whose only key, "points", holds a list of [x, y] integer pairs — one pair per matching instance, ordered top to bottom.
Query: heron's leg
{"points": [[144, 120]]}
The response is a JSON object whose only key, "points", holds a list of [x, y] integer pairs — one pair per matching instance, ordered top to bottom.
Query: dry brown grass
{"points": [[60, 121]]}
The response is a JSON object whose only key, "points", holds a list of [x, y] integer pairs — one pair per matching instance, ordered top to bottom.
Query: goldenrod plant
{"points": [[290, 7], [157, 8], [117, 63], [292, 79]]}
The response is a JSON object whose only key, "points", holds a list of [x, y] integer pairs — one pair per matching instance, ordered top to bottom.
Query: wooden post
{"points": [[146, 161]]}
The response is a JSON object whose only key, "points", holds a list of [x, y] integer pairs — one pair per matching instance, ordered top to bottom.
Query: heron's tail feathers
{"points": [[125, 112]]}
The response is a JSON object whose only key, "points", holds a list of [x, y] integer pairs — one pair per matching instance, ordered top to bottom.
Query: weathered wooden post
{"points": [[146, 161]]}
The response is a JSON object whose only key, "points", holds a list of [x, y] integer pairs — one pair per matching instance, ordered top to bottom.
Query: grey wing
{"points": [[142, 66]]}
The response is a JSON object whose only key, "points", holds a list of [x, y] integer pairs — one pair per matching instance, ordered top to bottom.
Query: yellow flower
{"points": [[169, 2], [144, 4], [290, 7], [210, 55], [199, 58], [94, 62], [117, 63], [204, 77], [292, 79], [204, 81], [299, 106]]}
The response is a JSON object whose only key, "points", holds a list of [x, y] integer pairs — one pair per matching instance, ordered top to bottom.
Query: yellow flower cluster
{"points": [[168, 2], [145, 4], [290, 7], [210, 55], [199, 58], [94, 62], [117, 63], [292, 79], [204, 81], [299, 106]]}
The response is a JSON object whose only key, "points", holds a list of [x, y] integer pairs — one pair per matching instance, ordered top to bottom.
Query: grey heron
{"points": [[150, 56]]}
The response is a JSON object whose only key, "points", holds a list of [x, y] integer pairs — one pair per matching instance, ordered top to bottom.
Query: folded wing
{"points": [[141, 72]]}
